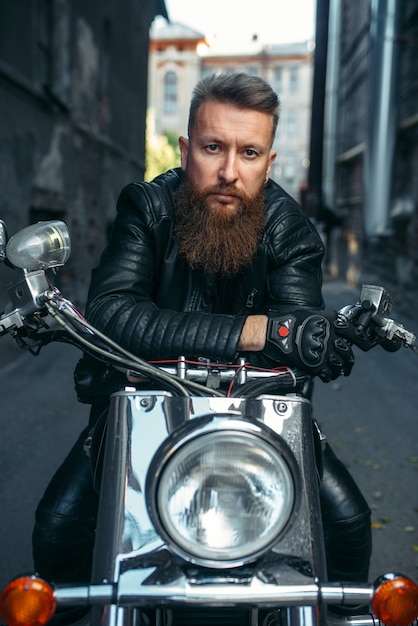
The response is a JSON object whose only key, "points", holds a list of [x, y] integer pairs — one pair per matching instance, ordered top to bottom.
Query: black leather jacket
{"points": [[146, 298]]}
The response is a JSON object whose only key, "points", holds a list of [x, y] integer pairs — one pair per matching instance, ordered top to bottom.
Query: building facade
{"points": [[179, 57], [174, 69], [73, 82], [371, 143]]}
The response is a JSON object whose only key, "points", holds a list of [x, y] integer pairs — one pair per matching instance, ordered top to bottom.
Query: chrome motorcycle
{"points": [[209, 483]]}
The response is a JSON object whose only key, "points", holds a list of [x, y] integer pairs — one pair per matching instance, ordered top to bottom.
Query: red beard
{"points": [[216, 239]]}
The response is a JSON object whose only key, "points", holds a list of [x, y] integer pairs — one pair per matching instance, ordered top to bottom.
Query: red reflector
{"points": [[27, 601], [395, 601]]}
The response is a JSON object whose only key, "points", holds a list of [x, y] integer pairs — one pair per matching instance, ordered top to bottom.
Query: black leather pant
{"points": [[63, 536]]}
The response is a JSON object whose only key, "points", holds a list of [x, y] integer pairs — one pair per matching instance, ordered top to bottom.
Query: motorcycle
{"points": [[213, 517]]}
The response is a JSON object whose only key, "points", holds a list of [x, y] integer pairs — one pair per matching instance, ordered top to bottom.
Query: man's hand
{"points": [[309, 341]]}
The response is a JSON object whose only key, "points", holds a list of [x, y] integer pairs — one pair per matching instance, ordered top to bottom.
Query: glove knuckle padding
{"points": [[312, 338]]}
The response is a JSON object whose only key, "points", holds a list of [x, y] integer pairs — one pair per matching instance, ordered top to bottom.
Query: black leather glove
{"points": [[308, 341]]}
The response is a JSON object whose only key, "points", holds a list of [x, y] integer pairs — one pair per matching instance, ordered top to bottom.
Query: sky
{"points": [[236, 21]]}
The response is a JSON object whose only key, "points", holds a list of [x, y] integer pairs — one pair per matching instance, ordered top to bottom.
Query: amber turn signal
{"points": [[27, 601], [395, 601]]}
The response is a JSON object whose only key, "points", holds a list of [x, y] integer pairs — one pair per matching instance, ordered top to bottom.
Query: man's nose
{"points": [[228, 172]]}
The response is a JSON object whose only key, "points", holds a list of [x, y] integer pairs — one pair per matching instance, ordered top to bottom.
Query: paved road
{"points": [[40, 419], [370, 419]]}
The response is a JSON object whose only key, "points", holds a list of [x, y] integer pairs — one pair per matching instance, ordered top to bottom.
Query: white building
{"points": [[180, 56]]}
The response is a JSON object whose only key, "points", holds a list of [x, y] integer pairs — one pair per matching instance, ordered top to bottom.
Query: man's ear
{"points": [[184, 149], [272, 158]]}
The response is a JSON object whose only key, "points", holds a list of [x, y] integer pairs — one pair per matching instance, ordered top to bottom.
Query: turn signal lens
{"points": [[27, 601], [395, 601]]}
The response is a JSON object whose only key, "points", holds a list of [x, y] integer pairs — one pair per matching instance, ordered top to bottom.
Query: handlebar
{"points": [[32, 298], [372, 312], [203, 369], [241, 378]]}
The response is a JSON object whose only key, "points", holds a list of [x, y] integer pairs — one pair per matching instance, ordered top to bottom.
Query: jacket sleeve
{"points": [[295, 253], [120, 301]]}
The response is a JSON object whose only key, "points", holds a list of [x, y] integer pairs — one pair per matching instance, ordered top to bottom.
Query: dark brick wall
{"points": [[73, 95]]}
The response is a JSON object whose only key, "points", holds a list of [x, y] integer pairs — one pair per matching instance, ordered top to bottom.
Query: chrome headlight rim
{"points": [[193, 432]]}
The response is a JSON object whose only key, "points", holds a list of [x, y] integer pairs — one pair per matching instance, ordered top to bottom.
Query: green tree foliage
{"points": [[162, 151]]}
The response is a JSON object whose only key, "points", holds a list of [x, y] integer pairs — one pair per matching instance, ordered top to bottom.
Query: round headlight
{"points": [[40, 246], [224, 497]]}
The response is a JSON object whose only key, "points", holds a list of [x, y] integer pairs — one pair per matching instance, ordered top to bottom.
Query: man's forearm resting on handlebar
{"points": [[308, 340]]}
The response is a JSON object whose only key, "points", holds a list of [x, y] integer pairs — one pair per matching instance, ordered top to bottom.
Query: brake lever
{"points": [[382, 302], [374, 307]]}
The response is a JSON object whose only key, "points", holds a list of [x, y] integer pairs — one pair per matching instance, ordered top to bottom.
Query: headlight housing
{"points": [[43, 245], [223, 493]]}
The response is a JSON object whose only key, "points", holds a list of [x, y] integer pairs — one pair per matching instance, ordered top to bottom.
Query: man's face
{"points": [[228, 154], [220, 205]]}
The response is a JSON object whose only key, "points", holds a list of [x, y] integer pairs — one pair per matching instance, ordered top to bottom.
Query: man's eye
{"points": [[212, 147], [250, 153]]}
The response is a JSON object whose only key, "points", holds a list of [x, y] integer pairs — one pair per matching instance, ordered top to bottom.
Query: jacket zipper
{"points": [[250, 299]]}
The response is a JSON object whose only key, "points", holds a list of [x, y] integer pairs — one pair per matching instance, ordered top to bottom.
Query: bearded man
{"points": [[200, 262]]}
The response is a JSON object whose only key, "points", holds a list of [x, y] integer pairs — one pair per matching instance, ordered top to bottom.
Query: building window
{"points": [[207, 70], [278, 79], [293, 79], [170, 93], [291, 122], [289, 168]]}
